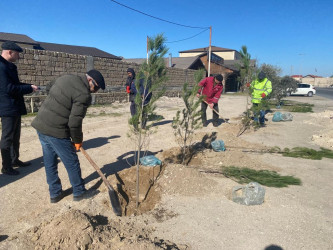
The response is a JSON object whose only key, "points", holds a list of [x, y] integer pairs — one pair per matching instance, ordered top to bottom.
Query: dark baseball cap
{"points": [[9, 45]]}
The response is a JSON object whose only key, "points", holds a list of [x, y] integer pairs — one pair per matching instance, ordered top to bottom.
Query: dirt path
{"points": [[189, 209]]}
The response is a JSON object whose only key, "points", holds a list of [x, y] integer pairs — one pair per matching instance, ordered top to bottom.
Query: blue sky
{"points": [[295, 35]]}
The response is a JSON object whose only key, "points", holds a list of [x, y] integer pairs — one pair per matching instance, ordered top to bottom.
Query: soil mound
{"points": [[77, 230]]}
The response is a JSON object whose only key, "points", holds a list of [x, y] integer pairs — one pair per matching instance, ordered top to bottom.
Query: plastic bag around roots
{"points": [[218, 145], [150, 161]]}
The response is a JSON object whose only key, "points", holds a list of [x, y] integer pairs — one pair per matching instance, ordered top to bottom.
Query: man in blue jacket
{"points": [[11, 107]]}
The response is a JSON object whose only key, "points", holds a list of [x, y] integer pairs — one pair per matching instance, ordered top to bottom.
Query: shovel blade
{"points": [[115, 202]]}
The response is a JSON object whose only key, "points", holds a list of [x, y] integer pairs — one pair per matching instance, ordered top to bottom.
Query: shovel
{"points": [[226, 120], [112, 193]]}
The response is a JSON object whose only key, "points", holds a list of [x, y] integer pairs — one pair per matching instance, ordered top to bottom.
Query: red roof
{"points": [[296, 76], [313, 76]]}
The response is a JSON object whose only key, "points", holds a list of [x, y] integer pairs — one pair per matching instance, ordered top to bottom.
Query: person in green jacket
{"points": [[261, 88], [59, 128]]}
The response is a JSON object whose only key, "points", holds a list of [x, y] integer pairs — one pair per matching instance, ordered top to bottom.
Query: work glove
{"points": [[248, 84], [128, 90], [263, 95], [77, 146]]}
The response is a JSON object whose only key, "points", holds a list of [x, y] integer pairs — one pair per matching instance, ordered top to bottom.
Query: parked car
{"points": [[303, 89]]}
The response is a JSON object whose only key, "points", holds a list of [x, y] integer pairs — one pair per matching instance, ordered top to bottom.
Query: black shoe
{"points": [[205, 124], [215, 124], [262, 125], [19, 163], [9, 171], [85, 195], [58, 198]]}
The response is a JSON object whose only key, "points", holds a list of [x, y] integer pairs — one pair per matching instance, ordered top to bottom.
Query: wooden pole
{"points": [[147, 49], [210, 49], [32, 105]]}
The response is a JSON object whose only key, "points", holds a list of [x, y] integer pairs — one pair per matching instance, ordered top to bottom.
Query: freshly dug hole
{"points": [[124, 183]]}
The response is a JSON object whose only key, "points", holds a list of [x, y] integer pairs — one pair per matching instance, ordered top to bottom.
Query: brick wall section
{"points": [[40, 67]]}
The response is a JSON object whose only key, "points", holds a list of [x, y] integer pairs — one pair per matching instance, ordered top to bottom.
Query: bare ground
{"points": [[181, 207]]}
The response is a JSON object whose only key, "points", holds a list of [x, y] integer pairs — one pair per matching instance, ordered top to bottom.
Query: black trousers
{"points": [[203, 112], [10, 140]]}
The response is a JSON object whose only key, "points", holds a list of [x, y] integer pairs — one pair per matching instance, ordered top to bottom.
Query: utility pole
{"points": [[147, 49], [210, 49]]}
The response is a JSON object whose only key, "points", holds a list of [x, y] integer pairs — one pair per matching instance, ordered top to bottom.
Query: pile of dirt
{"points": [[77, 230]]}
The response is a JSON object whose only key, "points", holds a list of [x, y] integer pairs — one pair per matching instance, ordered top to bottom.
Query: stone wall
{"points": [[40, 67], [318, 82], [33, 102]]}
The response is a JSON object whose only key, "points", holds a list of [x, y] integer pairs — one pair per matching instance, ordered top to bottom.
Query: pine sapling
{"points": [[150, 87], [188, 119]]}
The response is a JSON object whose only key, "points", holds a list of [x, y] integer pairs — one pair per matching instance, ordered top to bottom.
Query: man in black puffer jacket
{"points": [[12, 107], [59, 126]]}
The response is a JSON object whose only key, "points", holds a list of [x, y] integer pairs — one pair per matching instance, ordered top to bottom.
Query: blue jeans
{"points": [[262, 114], [64, 149]]}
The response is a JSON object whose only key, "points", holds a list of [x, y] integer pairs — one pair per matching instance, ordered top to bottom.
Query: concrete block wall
{"points": [[40, 67], [34, 102]]}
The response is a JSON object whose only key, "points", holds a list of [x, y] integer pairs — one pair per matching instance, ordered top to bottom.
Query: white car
{"points": [[304, 89]]}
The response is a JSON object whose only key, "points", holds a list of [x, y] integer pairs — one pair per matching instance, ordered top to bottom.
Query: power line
{"points": [[187, 26], [188, 37]]}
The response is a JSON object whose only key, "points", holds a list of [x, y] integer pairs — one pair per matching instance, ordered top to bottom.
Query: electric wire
{"points": [[187, 26], [188, 37]]}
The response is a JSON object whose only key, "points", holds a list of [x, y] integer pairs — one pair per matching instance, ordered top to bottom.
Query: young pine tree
{"points": [[150, 87], [189, 119]]}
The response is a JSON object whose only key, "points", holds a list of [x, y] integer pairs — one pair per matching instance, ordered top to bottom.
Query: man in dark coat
{"points": [[130, 84], [12, 107], [59, 127]]}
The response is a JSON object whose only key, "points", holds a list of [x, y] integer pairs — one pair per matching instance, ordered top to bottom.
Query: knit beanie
{"points": [[132, 71], [97, 76], [219, 77]]}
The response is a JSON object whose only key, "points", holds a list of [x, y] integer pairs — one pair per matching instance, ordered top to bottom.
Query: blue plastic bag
{"points": [[277, 117], [218, 145], [150, 160]]}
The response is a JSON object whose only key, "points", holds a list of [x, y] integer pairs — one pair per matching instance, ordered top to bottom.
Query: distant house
{"points": [[22, 40], [28, 43], [78, 50], [226, 54], [196, 60], [223, 61], [174, 62], [312, 76], [297, 77], [317, 81]]}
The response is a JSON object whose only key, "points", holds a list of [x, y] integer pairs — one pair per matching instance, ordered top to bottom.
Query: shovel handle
{"points": [[213, 109], [217, 113], [96, 168]]}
